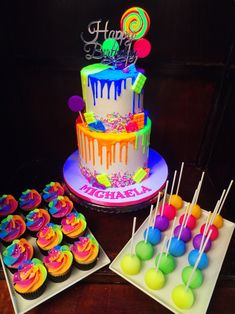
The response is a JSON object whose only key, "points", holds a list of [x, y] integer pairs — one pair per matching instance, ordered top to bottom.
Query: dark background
{"points": [[190, 92]]}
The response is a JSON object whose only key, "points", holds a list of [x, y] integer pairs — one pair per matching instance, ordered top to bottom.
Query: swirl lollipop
{"points": [[135, 22]]}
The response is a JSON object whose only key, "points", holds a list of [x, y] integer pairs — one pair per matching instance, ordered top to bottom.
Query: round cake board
{"points": [[123, 199]]}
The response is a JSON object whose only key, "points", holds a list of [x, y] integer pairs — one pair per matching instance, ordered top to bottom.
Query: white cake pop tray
{"points": [[203, 294], [22, 305]]}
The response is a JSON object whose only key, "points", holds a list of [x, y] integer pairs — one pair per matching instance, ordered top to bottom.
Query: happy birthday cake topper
{"points": [[119, 47]]}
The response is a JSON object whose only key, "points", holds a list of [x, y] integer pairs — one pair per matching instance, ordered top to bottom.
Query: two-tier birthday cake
{"points": [[114, 165]]}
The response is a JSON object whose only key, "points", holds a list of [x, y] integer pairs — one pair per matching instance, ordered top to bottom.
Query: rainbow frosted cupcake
{"points": [[52, 191], [29, 200], [8, 205], [60, 207], [36, 220], [73, 226], [12, 227], [48, 237], [85, 252], [16, 253], [58, 263], [30, 279]]}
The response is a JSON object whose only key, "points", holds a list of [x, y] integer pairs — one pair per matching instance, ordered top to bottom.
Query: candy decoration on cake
{"points": [[136, 22], [110, 47], [142, 47], [139, 83], [76, 104], [176, 200], [8, 205], [131, 263], [154, 278]]}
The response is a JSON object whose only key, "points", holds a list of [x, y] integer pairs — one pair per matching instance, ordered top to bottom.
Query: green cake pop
{"points": [[197, 278]]}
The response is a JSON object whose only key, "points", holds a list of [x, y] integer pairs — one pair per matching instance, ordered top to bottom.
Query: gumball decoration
{"points": [[135, 22], [110, 47], [142, 48], [76, 103]]}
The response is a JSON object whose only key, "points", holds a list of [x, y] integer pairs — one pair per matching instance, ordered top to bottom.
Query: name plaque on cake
{"points": [[124, 196]]}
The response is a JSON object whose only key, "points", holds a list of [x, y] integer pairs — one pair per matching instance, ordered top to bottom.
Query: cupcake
{"points": [[52, 191], [29, 200], [8, 205], [60, 207], [36, 220], [73, 226], [12, 227], [48, 237], [85, 252], [16, 253], [58, 263], [30, 279]]}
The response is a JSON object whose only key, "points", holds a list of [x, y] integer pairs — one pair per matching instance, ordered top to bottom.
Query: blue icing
{"points": [[109, 77]]}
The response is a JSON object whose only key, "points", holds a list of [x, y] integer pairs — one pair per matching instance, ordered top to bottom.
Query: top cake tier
{"points": [[107, 90]]}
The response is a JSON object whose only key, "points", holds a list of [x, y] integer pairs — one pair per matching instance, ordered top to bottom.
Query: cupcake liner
{"points": [[72, 240], [85, 266], [60, 278], [35, 294]]}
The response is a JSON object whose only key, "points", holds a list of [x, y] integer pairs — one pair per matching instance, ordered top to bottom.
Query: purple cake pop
{"points": [[161, 222], [186, 233], [197, 242]]}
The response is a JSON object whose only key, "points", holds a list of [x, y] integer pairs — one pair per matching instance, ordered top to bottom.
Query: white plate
{"points": [[203, 294], [22, 305]]}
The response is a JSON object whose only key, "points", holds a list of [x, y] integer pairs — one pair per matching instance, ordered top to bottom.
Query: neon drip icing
{"points": [[108, 77], [107, 144]]}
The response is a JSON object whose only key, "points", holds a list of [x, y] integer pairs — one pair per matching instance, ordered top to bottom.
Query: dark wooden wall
{"points": [[190, 90]]}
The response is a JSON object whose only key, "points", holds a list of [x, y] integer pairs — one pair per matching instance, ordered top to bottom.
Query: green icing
{"points": [[90, 69], [145, 133]]}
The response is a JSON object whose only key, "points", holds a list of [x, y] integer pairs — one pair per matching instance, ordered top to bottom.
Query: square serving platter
{"points": [[203, 294], [22, 305]]}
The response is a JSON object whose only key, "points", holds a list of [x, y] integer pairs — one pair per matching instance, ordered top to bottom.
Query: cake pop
{"points": [[176, 200], [162, 222], [154, 234], [198, 240], [144, 249], [130, 263], [167, 263], [154, 278], [197, 278]]}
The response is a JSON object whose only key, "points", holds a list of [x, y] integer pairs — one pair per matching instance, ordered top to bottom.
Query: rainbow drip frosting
{"points": [[51, 191], [29, 199], [8, 205], [60, 206], [37, 219], [73, 225], [12, 227], [49, 236], [86, 250], [17, 252], [58, 261], [30, 276]]}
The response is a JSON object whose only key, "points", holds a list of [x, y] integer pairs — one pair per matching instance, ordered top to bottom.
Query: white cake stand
{"points": [[124, 199]]}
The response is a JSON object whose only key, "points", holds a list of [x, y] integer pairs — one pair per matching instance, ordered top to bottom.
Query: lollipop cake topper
{"points": [[116, 47]]}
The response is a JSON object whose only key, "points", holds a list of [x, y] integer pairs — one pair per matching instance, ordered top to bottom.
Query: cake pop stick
{"points": [[179, 180], [172, 186], [199, 186], [164, 198], [222, 204], [156, 208], [190, 208], [215, 210], [149, 221], [204, 232], [132, 235], [171, 235], [162, 249], [198, 260]]}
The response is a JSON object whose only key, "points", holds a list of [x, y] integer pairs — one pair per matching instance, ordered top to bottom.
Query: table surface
{"points": [[104, 291]]}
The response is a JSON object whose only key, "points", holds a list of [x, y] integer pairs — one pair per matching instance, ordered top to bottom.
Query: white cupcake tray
{"points": [[203, 294], [22, 305]]}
